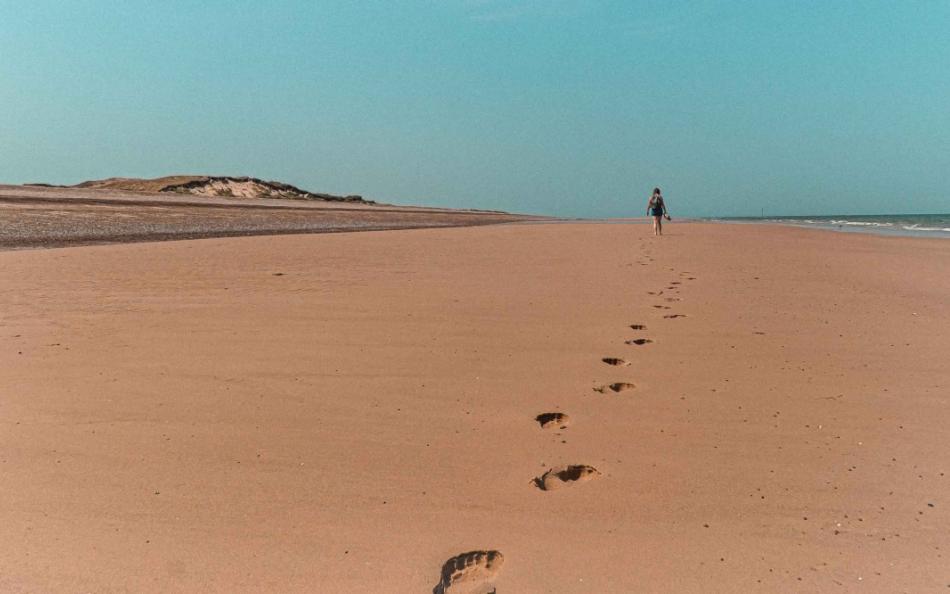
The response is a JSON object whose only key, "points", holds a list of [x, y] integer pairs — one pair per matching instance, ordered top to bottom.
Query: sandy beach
{"points": [[38, 217], [748, 408]]}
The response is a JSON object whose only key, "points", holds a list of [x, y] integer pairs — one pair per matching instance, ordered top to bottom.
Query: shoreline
{"points": [[842, 224], [748, 408]]}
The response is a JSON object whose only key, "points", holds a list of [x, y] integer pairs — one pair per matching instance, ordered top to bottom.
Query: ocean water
{"points": [[930, 225]]}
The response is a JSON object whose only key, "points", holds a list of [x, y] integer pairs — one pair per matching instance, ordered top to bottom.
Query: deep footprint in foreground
{"points": [[639, 341], [615, 361], [617, 387], [553, 419], [565, 476], [470, 573]]}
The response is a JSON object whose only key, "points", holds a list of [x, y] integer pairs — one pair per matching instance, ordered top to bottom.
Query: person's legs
{"points": [[657, 226]]}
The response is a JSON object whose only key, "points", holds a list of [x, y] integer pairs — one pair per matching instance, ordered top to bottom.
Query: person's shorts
{"points": [[657, 212]]}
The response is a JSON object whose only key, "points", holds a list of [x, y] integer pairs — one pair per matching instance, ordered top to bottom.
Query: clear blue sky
{"points": [[567, 107]]}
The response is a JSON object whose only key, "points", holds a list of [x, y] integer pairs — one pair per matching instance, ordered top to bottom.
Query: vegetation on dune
{"points": [[224, 186]]}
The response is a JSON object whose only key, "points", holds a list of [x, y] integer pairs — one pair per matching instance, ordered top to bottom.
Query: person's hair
{"points": [[656, 191]]}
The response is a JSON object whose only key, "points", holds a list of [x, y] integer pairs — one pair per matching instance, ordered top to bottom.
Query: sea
{"points": [[917, 225]]}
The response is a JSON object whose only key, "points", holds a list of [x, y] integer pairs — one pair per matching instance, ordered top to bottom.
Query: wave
{"points": [[862, 223], [937, 225], [916, 227]]}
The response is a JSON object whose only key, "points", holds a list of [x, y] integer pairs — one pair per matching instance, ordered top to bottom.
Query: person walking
{"points": [[656, 208]]}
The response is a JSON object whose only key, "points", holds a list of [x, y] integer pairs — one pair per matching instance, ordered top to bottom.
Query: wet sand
{"points": [[41, 217], [347, 412]]}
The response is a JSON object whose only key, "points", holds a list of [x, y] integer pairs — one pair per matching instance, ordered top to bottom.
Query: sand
{"points": [[33, 217], [349, 412]]}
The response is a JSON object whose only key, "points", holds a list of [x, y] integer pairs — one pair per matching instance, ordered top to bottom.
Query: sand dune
{"points": [[211, 185], [415, 411]]}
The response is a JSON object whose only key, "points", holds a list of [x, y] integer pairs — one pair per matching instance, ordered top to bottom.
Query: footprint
{"points": [[674, 282], [672, 299], [662, 307], [674, 316], [638, 326], [639, 341], [615, 361], [615, 387], [553, 419], [565, 475], [470, 573]]}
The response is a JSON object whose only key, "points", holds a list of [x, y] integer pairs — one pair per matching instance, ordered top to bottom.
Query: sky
{"points": [[561, 107]]}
